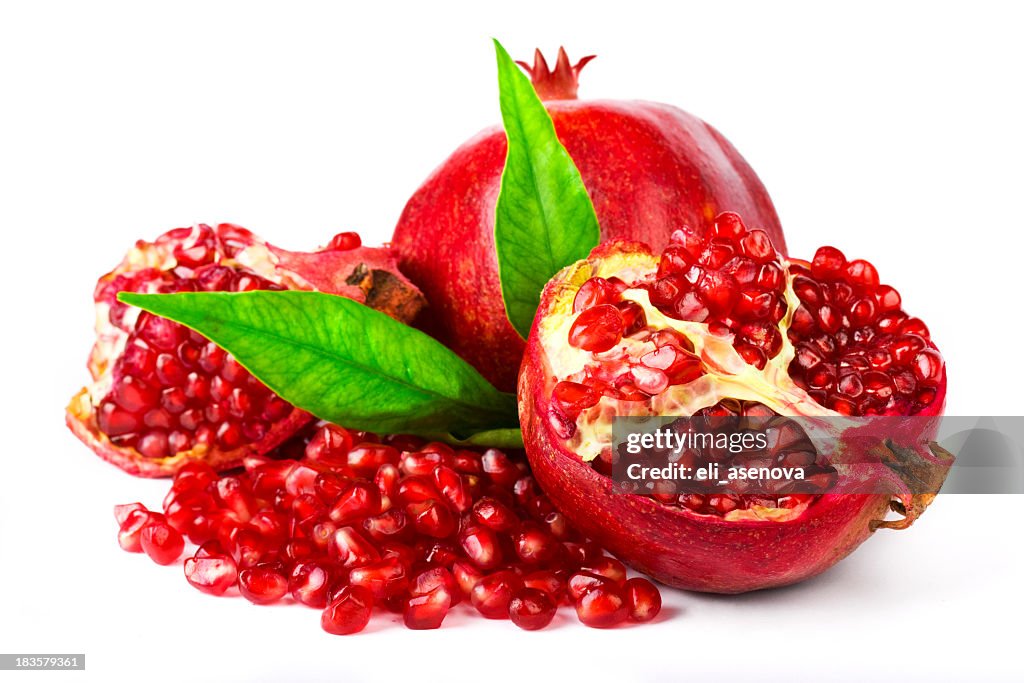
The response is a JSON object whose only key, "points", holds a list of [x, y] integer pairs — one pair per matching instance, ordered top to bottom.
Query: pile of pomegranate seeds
{"points": [[353, 522]]}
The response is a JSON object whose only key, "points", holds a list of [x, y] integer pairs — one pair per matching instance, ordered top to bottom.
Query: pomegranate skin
{"points": [[649, 168], [674, 545]]}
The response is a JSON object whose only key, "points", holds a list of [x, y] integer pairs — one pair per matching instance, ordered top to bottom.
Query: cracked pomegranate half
{"points": [[722, 324], [163, 395]]}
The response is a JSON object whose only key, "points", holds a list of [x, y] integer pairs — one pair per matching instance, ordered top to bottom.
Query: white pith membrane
{"points": [[727, 374]]}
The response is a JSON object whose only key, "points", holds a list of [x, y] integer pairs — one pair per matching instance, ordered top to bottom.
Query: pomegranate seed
{"points": [[344, 241], [828, 263], [593, 292], [597, 329], [927, 365], [572, 398], [330, 446], [366, 458], [499, 468], [454, 488], [416, 489], [236, 495], [361, 499], [121, 511], [495, 515], [432, 518], [392, 524], [161, 542], [535, 546], [481, 547], [349, 548], [608, 567], [211, 570], [466, 576], [383, 578], [431, 578], [548, 581], [582, 582], [309, 584], [262, 585], [492, 594], [643, 599], [602, 607], [531, 609], [427, 611], [348, 612]]}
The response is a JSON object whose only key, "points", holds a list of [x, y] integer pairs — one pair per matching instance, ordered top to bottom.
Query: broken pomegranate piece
{"points": [[163, 395]]}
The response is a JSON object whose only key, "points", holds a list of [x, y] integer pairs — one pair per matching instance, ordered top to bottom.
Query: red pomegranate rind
{"points": [[649, 169], [163, 395], [705, 550]]}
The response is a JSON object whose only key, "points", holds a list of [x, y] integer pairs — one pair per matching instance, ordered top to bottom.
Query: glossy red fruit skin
{"points": [[649, 168], [673, 545]]}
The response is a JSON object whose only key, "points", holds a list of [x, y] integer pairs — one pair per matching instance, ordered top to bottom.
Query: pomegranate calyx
{"points": [[562, 82], [923, 475]]}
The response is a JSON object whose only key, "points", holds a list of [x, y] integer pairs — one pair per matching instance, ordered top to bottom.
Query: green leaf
{"points": [[544, 219], [342, 361], [492, 438]]}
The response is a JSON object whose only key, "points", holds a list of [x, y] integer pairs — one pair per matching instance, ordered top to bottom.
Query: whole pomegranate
{"points": [[649, 169], [722, 324], [163, 395]]}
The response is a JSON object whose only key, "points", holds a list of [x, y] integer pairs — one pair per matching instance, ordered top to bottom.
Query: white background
{"points": [[892, 131]]}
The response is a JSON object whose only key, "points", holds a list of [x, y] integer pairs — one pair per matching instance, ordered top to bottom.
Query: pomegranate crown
{"points": [[560, 83]]}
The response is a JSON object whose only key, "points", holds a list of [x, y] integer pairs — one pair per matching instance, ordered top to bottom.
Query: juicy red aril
{"points": [[344, 241], [729, 281], [594, 292], [597, 329], [854, 344], [572, 398], [330, 445], [366, 458], [499, 468], [454, 487], [361, 499], [121, 511], [495, 515], [432, 518], [268, 530], [129, 533], [161, 542], [480, 545], [535, 546], [349, 548], [608, 567], [212, 573], [466, 576], [383, 578], [547, 580], [582, 582], [309, 584], [262, 585], [492, 594], [642, 599], [602, 607], [531, 609], [428, 610], [348, 612]]}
